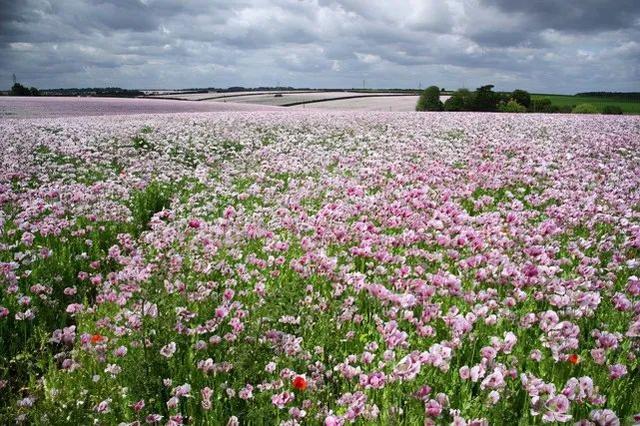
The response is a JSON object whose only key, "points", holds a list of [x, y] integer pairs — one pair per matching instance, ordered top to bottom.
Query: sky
{"points": [[544, 46]]}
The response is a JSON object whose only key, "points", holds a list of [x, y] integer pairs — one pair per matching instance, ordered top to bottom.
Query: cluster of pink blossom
{"points": [[320, 268]]}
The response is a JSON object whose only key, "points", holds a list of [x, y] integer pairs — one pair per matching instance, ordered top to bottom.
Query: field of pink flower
{"points": [[320, 268]]}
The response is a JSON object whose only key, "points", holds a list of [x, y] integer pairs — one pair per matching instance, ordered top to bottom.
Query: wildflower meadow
{"points": [[320, 268]]}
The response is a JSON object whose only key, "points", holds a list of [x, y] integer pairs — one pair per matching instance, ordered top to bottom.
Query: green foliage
{"points": [[20, 90], [632, 96], [522, 97], [503, 98], [485, 99], [430, 100], [460, 100], [454, 104], [541, 105], [628, 105], [513, 106], [585, 109], [612, 110], [140, 142], [25, 349]]}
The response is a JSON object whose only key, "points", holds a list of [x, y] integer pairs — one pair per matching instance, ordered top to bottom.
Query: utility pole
{"points": [[15, 80], [363, 84]]}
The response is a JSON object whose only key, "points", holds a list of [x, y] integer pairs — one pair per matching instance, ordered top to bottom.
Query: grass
{"points": [[628, 106], [25, 352]]}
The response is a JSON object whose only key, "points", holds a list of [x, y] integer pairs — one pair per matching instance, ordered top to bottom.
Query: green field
{"points": [[628, 106]]}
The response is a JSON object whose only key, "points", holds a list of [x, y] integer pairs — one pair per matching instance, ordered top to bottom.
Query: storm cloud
{"points": [[542, 46]]}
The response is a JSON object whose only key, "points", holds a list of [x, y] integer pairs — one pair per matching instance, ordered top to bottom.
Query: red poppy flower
{"points": [[96, 338], [574, 359], [299, 383]]}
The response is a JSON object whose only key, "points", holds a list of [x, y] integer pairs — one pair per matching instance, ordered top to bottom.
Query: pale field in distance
{"points": [[217, 95], [289, 98], [370, 101], [386, 103], [25, 107]]}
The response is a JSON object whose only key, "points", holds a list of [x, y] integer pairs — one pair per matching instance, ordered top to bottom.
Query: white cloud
{"points": [[21, 46], [367, 58]]}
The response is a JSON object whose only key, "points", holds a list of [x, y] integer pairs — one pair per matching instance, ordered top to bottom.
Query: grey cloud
{"points": [[585, 16], [499, 37], [545, 45]]}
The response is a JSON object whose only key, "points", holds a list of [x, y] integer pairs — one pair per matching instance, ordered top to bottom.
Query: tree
{"points": [[20, 90], [503, 97], [522, 97], [485, 99], [430, 100], [460, 100], [454, 103], [541, 105], [513, 106], [585, 109], [612, 109]]}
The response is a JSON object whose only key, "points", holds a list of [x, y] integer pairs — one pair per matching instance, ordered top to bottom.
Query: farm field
{"points": [[220, 95], [184, 96], [228, 96], [313, 97], [285, 98], [385, 103], [393, 103], [51, 106], [628, 106], [320, 267]]}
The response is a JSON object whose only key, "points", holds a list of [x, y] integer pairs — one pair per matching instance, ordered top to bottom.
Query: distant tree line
{"points": [[291, 89], [19, 90], [116, 92], [631, 96], [486, 100]]}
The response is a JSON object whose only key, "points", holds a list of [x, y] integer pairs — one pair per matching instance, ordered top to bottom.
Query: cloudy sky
{"points": [[552, 46]]}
